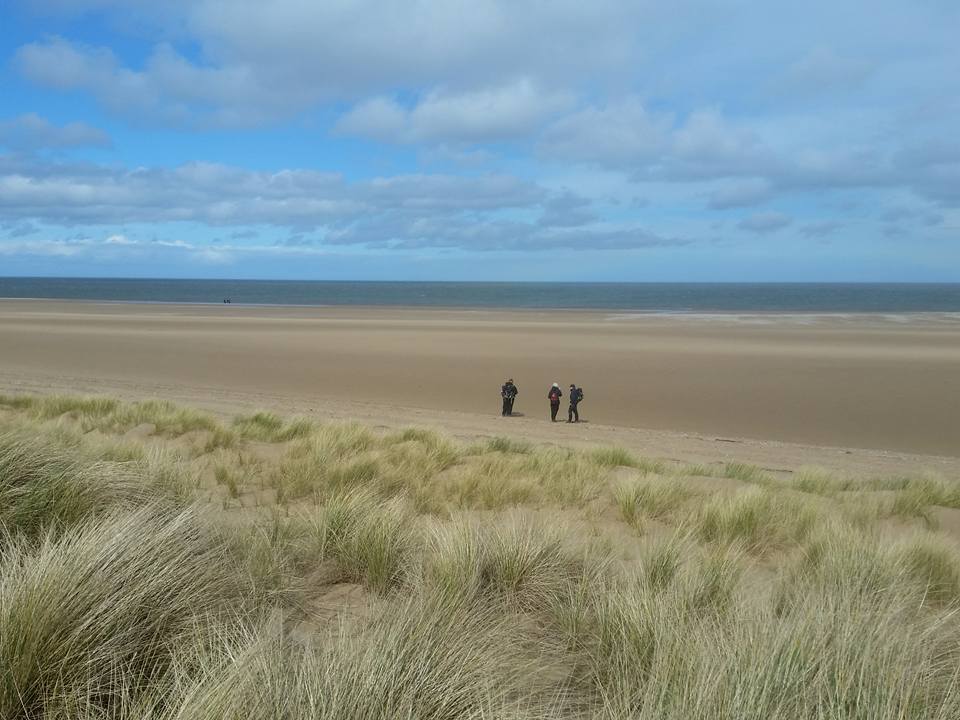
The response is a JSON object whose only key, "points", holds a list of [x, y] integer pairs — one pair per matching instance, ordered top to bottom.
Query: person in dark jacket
{"points": [[509, 392], [576, 395], [554, 397]]}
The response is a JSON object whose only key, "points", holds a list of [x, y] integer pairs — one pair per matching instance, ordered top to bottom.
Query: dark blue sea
{"points": [[635, 297]]}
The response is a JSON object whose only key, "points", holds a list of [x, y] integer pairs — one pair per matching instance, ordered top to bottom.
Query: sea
{"points": [[627, 297]]}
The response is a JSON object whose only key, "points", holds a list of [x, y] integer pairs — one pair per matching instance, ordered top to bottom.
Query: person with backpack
{"points": [[509, 392], [576, 395], [554, 397]]}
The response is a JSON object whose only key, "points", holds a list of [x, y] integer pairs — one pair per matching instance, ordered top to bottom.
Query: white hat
{"points": [[555, 385]]}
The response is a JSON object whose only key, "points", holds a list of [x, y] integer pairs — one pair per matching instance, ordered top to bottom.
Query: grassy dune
{"points": [[158, 562]]}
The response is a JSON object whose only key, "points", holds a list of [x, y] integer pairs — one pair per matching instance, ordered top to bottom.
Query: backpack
{"points": [[579, 394]]}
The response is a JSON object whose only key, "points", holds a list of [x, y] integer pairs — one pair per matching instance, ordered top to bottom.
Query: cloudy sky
{"points": [[481, 139]]}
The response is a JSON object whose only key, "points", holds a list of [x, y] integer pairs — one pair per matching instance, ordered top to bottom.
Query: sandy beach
{"points": [[882, 383]]}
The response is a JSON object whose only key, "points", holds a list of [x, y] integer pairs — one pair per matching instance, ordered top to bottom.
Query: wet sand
{"points": [[889, 383]]}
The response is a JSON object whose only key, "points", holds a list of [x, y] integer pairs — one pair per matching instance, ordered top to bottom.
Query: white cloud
{"points": [[265, 61], [823, 70], [168, 90], [651, 94], [488, 114], [379, 118], [30, 132], [622, 135], [653, 146], [707, 146], [741, 193], [226, 195], [567, 210], [485, 212], [765, 222], [821, 228], [119, 240]]}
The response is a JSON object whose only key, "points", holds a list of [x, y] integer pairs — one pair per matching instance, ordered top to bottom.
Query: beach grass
{"points": [[295, 569]]}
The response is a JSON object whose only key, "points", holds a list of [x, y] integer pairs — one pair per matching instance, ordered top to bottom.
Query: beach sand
{"points": [[763, 388]]}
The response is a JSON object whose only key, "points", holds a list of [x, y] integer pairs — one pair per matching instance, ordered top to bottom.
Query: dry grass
{"points": [[267, 427], [46, 488], [653, 497], [760, 519], [404, 575], [111, 596]]}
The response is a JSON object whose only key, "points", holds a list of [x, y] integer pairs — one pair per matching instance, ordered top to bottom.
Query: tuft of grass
{"points": [[17, 402], [86, 409], [109, 415], [267, 427], [219, 437], [339, 440], [508, 445], [119, 451], [613, 457], [335, 458], [696, 470], [357, 472], [746, 473], [168, 474], [228, 477], [566, 478], [820, 482], [490, 483], [44, 487], [655, 497], [915, 497], [758, 518], [370, 540], [272, 555], [662, 560], [518, 561], [455, 562], [931, 562], [528, 564], [711, 584], [110, 597], [416, 660], [833, 660]]}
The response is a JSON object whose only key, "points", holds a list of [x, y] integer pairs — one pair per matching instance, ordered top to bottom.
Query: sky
{"points": [[643, 140]]}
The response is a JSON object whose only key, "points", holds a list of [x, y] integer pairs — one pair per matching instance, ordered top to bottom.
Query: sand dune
{"points": [[884, 383]]}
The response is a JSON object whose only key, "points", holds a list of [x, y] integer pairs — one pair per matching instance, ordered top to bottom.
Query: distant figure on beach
{"points": [[509, 392], [576, 395], [554, 397]]}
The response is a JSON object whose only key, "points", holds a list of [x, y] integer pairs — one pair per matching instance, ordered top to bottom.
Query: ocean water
{"points": [[632, 297]]}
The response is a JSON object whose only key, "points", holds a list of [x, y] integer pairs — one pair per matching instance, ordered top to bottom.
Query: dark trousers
{"points": [[507, 406], [554, 409], [572, 414]]}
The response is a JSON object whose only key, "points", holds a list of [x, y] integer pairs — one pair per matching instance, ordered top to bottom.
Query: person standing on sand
{"points": [[508, 392], [576, 395], [554, 397]]}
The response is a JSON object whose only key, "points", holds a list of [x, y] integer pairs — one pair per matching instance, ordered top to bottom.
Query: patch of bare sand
{"points": [[850, 383], [140, 432], [947, 520]]}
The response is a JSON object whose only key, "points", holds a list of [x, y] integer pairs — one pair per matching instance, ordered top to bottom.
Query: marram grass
{"points": [[402, 575]]}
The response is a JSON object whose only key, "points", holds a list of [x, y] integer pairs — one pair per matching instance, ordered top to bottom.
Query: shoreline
{"points": [[612, 314]]}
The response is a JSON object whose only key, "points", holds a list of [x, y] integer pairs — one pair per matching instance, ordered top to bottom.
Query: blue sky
{"points": [[492, 140]]}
